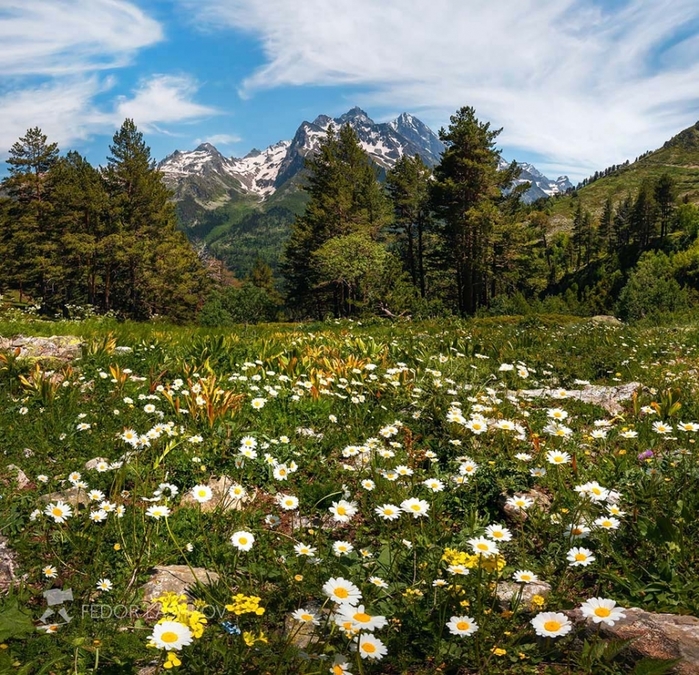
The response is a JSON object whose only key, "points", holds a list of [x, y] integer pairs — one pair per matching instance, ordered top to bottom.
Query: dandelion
{"points": [[202, 493], [417, 507], [59, 511], [242, 540], [580, 557], [104, 585], [342, 591], [602, 610], [551, 624], [462, 626], [171, 635], [370, 647]]}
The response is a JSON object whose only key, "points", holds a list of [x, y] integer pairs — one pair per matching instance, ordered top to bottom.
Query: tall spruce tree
{"points": [[408, 185], [467, 186], [345, 199]]}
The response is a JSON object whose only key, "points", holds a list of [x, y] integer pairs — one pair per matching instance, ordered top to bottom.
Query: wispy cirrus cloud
{"points": [[53, 58], [583, 83]]}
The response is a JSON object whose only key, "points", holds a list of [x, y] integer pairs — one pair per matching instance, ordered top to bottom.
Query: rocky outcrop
{"points": [[62, 348], [608, 398]]}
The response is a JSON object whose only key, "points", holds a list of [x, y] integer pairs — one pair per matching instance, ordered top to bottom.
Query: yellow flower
{"points": [[117, 547], [298, 577], [538, 601], [245, 604], [250, 638], [498, 652], [172, 661]]}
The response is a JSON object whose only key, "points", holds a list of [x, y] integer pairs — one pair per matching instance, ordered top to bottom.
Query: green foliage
{"points": [[234, 305]]}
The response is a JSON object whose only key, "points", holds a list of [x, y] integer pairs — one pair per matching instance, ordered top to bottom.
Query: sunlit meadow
{"points": [[374, 498]]}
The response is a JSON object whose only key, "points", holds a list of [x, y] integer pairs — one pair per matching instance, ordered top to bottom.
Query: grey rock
{"points": [[604, 319], [56, 347], [608, 398], [19, 475], [73, 496], [221, 498], [541, 501], [8, 564], [175, 579], [511, 594], [655, 636]]}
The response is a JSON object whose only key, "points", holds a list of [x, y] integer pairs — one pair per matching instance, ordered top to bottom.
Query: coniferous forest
{"points": [[412, 241]]}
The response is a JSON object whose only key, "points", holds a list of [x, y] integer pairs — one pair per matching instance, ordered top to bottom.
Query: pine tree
{"points": [[408, 185], [466, 188], [665, 195], [345, 199], [644, 216], [605, 225], [29, 237], [152, 268]]}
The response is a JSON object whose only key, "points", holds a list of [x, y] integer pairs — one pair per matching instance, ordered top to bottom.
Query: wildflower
{"points": [[258, 403], [149, 408], [557, 414], [477, 425], [688, 426], [662, 428], [629, 433], [523, 457], [556, 457], [468, 468], [537, 472], [42, 478], [368, 484], [237, 492], [202, 493], [287, 502], [520, 502], [414, 506], [343, 510], [59, 511], [158, 511], [98, 516], [607, 523], [577, 531], [498, 533], [242, 540], [483, 546], [342, 548], [304, 549], [580, 557], [50, 572], [525, 577], [378, 581], [104, 585], [342, 591], [245, 604], [602, 610], [305, 616], [355, 618], [551, 624], [462, 625], [171, 635], [371, 647], [498, 651], [340, 666]]}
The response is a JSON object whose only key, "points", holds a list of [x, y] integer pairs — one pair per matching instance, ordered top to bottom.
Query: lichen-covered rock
{"points": [[56, 347], [608, 398], [18, 475], [73, 496], [8, 564], [175, 579], [511, 594], [655, 636]]}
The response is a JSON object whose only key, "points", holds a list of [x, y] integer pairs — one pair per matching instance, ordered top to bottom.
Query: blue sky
{"points": [[576, 84]]}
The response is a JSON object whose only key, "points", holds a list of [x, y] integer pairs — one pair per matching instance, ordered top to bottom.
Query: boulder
{"points": [[605, 319], [57, 347], [605, 397], [19, 476], [73, 496], [541, 501], [8, 563], [175, 579], [510, 594], [655, 636]]}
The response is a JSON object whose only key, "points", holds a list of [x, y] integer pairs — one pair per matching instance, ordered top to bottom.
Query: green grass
{"points": [[346, 402]]}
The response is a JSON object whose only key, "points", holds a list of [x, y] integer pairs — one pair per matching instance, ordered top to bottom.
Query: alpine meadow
{"points": [[372, 400]]}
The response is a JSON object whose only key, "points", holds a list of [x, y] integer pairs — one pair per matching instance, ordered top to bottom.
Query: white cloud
{"points": [[52, 37], [583, 84], [65, 109], [220, 139]]}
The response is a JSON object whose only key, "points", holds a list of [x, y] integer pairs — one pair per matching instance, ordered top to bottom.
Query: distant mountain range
{"points": [[206, 178]]}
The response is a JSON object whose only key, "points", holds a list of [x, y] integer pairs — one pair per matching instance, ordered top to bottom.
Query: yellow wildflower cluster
{"points": [[493, 563], [245, 604], [174, 608], [251, 639], [172, 661]]}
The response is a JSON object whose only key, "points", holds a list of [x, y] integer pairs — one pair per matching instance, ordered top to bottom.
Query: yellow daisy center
{"points": [[415, 507], [341, 510], [57, 512], [243, 540], [482, 546], [580, 557], [341, 593], [602, 611], [307, 617], [361, 617], [463, 625], [552, 626], [169, 636], [369, 647]]}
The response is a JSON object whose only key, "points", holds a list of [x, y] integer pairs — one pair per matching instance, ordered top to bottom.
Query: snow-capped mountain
{"points": [[208, 178], [541, 186]]}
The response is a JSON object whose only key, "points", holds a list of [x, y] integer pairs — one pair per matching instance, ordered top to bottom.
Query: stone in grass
{"points": [[95, 462], [19, 476], [73, 496], [221, 498], [513, 514], [8, 563], [175, 579], [509, 592], [300, 633], [654, 636]]}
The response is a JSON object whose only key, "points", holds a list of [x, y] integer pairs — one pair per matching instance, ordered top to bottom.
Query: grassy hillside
{"points": [[679, 157]]}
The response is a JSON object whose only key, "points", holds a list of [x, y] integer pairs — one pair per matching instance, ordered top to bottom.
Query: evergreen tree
{"points": [[408, 185], [466, 188], [665, 194], [345, 198], [644, 216], [606, 225]]}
